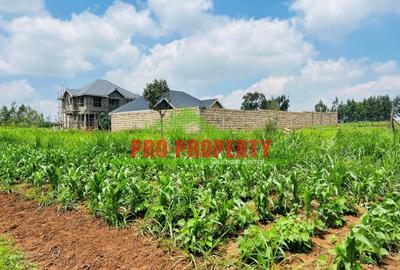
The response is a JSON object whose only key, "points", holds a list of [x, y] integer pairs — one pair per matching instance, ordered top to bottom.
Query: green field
{"points": [[267, 208]]}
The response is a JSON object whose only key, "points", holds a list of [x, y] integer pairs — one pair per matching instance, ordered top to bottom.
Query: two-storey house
{"points": [[80, 108]]}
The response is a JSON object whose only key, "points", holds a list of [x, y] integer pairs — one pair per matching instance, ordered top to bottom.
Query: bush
{"points": [[104, 121], [271, 126], [264, 248]]}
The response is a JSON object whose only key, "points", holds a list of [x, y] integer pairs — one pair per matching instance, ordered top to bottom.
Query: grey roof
{"points": [[101, 88], [73, 92], [177, 99], [180, 99], [207, 102], [138, 104]]}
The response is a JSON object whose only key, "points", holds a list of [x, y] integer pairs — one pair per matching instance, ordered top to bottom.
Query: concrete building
{"points": [[80, 108]]}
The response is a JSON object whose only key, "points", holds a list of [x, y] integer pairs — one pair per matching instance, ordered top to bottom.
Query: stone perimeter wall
{"points": [[144, 119], [228, 119], [249, 120]]}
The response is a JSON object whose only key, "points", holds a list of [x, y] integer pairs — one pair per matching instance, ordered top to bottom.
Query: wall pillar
{"points": [[312, 118], [320, 118], [223, 119], [291, 120], [243, 122]]}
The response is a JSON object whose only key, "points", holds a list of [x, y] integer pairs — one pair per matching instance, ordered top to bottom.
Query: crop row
{"points": [[310, 182]]}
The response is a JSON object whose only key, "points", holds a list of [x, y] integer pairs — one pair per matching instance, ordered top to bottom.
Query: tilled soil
{"points": [[57, 239], [324, 244]]}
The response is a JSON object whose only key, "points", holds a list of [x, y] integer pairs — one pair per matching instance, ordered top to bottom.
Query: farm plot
{"points": [[251, 213]]}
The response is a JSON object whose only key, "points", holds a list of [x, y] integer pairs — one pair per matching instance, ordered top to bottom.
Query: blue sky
{"points": [[308, 49]]}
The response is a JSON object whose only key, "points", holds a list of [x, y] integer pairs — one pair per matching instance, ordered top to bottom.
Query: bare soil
{"points": [[57, 239], [324, 243]]}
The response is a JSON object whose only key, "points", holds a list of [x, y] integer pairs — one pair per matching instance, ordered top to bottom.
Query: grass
{"points": [[12, 258]]}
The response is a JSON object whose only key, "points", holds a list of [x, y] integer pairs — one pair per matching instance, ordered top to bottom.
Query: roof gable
{"points": [[101, 88], [115, 94], [176, 99], [179, 99], [207, 103], [138, 104], [163, 104]]}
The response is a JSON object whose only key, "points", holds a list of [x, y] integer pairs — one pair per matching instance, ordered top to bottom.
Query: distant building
{"points": [[176, 100], [80, 108], [210, 113], [138, 115]]}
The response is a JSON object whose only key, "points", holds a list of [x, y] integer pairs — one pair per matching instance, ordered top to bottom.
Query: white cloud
{"points": [[22, 7], [186, 17], [332, 20], [44, 45], [208, 49], [235, 50], [125, 55], [389, 67], [333, 72], [344, 78], [386, 84], [271, 86], [21, 92], [48, 107]]}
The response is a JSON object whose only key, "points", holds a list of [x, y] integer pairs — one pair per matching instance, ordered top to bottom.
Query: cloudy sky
{"points": [[308, 49]]}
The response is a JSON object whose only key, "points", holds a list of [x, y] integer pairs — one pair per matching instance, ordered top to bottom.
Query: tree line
{"points": [[258, 101], [373, 108], [22, 115]]}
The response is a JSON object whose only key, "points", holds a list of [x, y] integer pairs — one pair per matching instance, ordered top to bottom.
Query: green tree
{"points": [[153, 93], [253, 101], [283, 102], [280, 103], [270, 104], [335, 105], [321, 107], [396, 107], [374, 108], [13, 113], [395, 113], [4, 115], [22, 116], [104, 121]]}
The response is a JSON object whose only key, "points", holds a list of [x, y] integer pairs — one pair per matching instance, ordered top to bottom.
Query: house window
{"points": [[81, 102], [97, 102], [114, 103], [82, 117], [90, 120]]}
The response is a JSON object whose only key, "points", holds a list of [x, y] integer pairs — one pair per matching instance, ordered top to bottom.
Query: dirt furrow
{"points": [[57, 239]]}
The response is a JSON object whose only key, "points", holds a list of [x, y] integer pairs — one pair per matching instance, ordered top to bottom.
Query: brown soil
{"points": [[56, 239], [323, 245]]}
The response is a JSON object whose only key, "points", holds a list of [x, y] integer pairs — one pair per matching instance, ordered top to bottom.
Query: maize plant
{"points": [[311, 180]]}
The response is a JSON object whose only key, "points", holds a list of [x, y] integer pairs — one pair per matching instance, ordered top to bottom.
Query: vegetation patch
{"points": [[312, 181], [11, 258]]}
